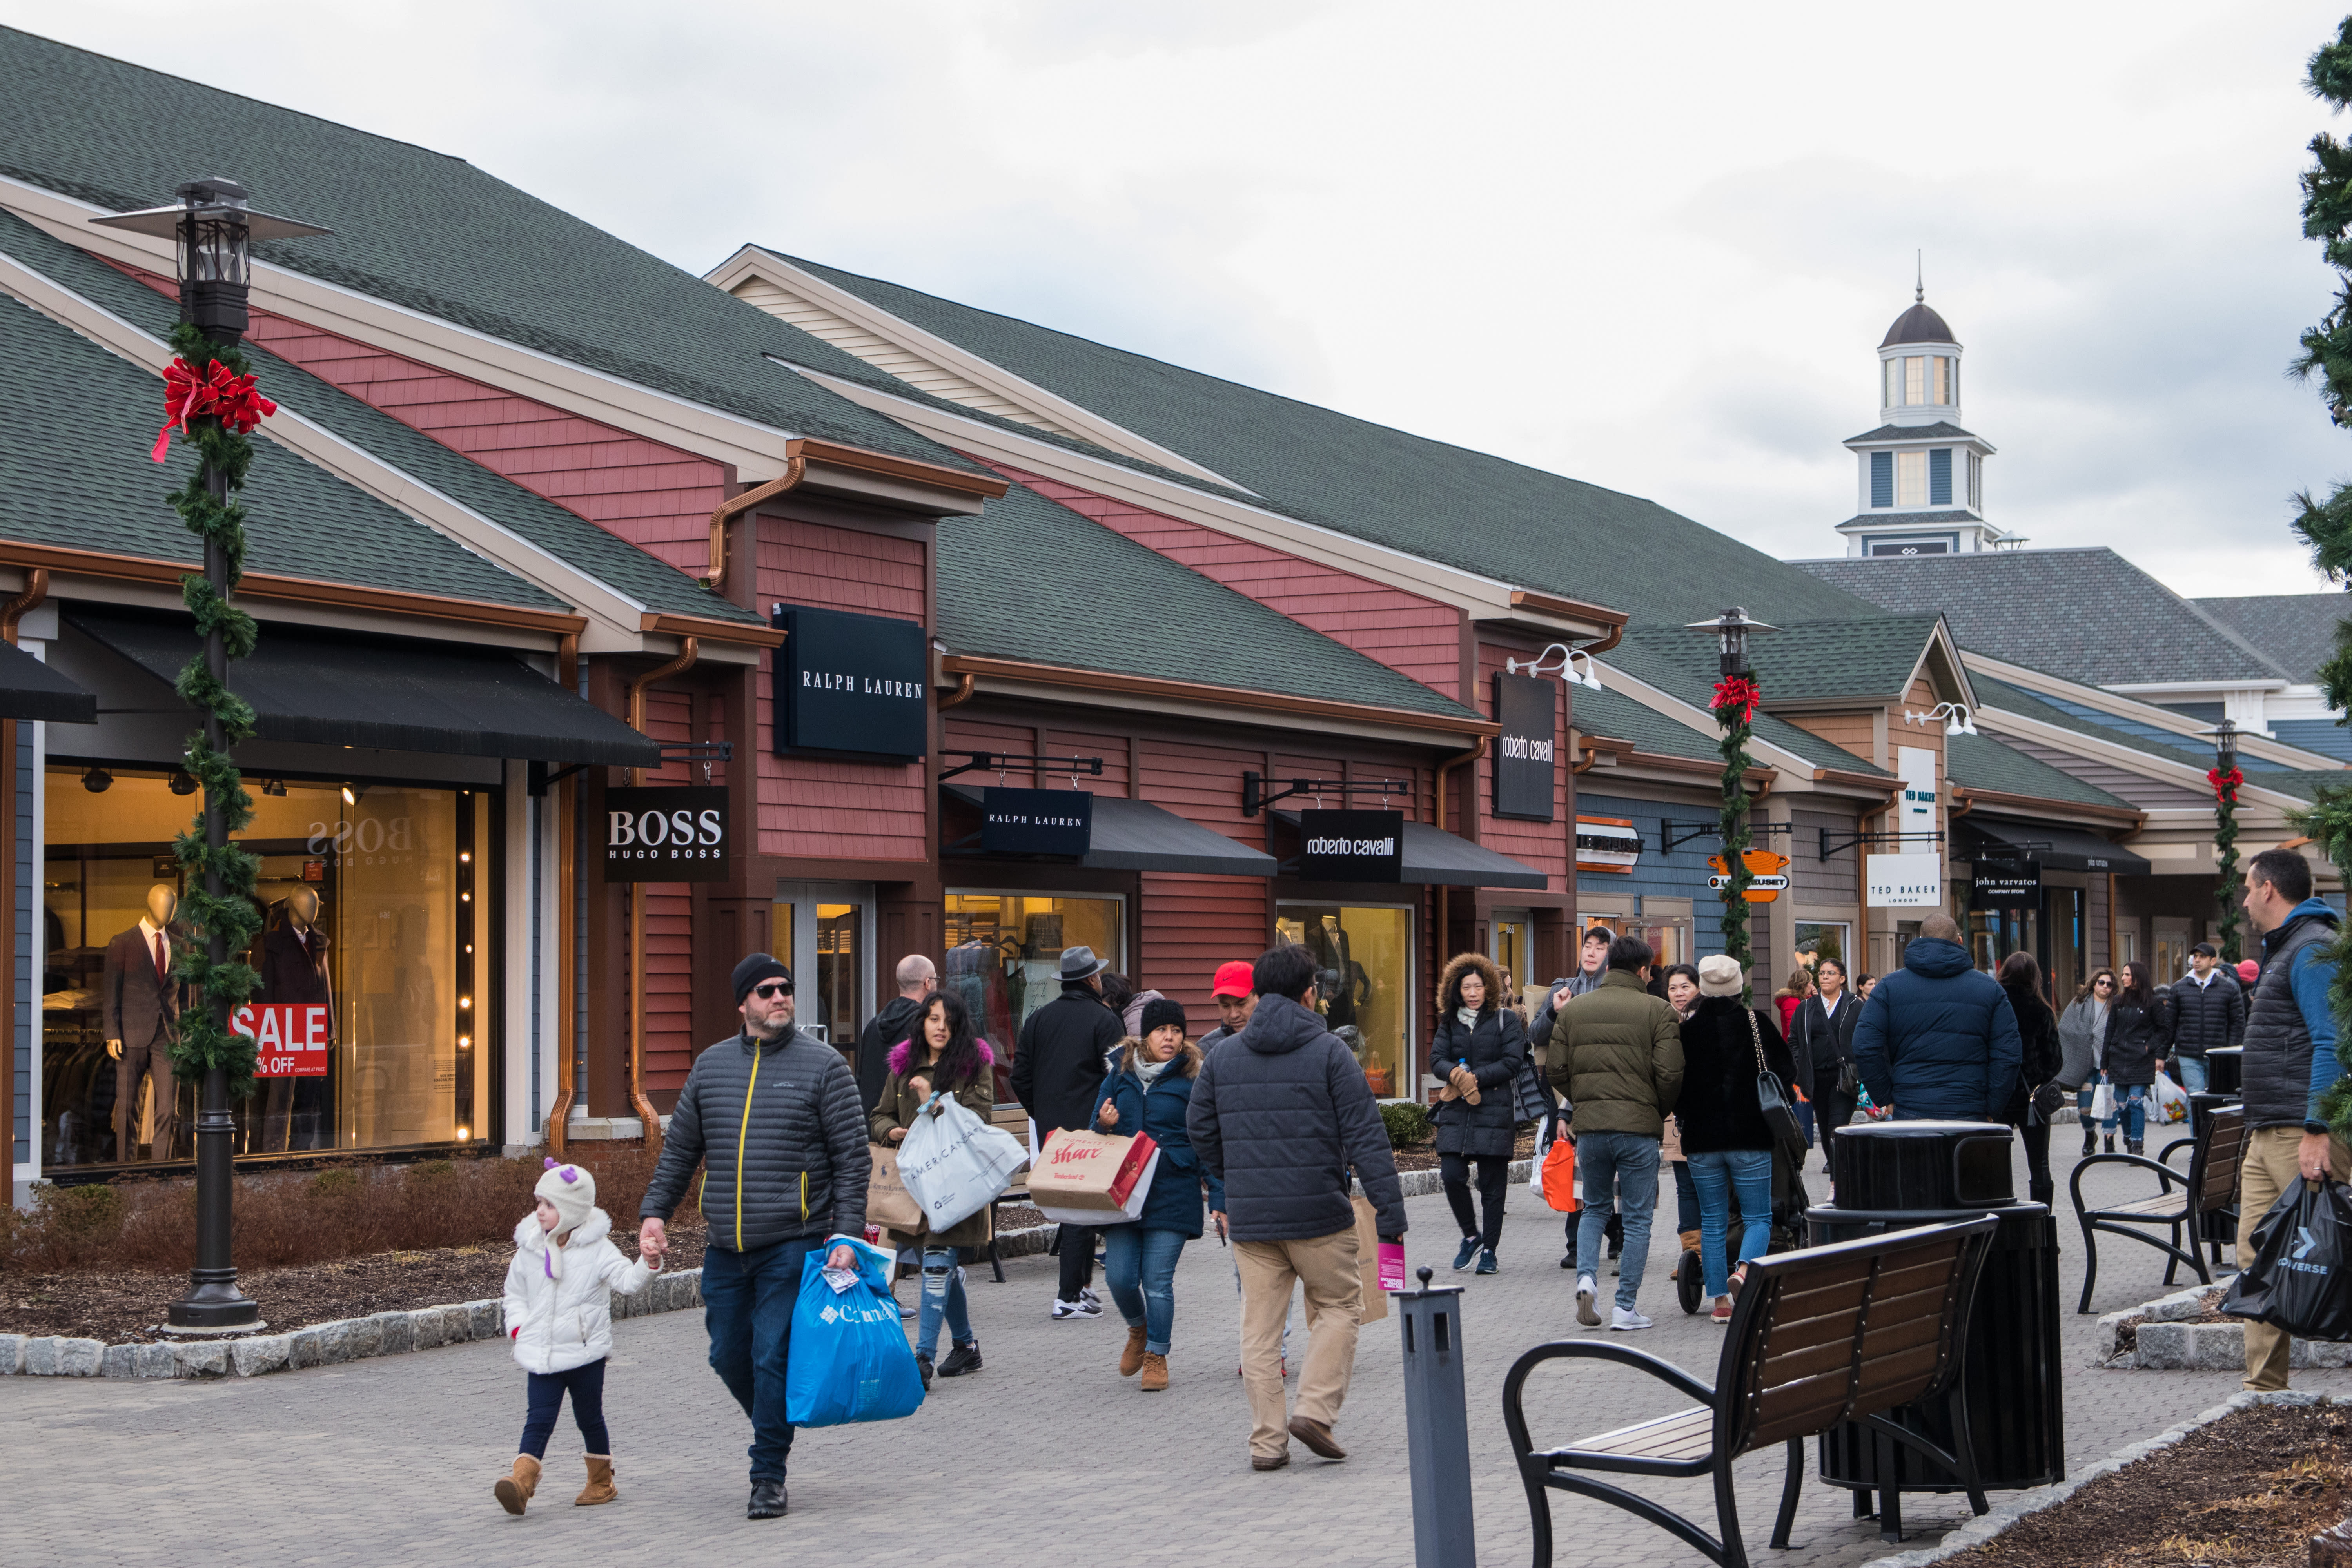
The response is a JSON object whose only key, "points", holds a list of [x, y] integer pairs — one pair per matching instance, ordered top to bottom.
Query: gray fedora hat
{"points": [[1079, 963]]}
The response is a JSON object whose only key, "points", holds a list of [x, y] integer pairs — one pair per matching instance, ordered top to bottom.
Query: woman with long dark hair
{"points": [[2139, 1035], [2082, 1036], [1822, 1043], [1475, 1050], [939, 1056], [2038, 1059]]}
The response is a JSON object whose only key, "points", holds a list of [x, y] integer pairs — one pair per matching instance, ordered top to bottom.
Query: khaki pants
{"points": [[2269, 1166], [1327, 1267]]}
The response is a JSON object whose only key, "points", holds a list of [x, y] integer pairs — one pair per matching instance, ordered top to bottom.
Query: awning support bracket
{"points": [[980, 762], [1255, 799], [1669, 840], [1850, 840]]}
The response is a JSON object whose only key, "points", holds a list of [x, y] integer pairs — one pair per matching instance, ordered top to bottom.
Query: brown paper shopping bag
{"points": [[887, 1201], [1367, 1261]]}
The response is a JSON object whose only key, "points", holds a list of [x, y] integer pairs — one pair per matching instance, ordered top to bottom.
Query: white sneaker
{"points": [[1086, 1294], [1588, 1297], [1081, 1308], [1624, 1321]]}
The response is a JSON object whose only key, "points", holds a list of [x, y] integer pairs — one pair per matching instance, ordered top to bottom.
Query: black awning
{"points": [[31, 690], [394, 693], [1137, 835], [2046, 844], [1434, 858]]}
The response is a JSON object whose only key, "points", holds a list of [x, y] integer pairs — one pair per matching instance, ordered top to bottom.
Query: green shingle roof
{"points": [[423, 230], [75, 473], [1429, 499], [610, 559], [1030, 578], [2296, 631], [1859, 656], [2016, 700], [1620, 718], [1979, 761]]}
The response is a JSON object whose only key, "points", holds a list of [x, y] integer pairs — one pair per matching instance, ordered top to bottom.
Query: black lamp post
{"points": [[212, 230], [1734, 704], [2225, 779]]}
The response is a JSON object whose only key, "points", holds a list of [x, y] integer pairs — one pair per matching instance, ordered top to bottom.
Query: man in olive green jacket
{"points": [[1616, 1056]]}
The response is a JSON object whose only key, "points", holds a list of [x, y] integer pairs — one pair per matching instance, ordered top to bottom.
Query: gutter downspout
{"points": [[727, 511], [35, 593], [688, 650], [965, 685], [1443, 768], [559, 1113]]}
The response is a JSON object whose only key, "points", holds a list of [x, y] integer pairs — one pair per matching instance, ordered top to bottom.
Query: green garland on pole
{"points": [[207, 504], [1735, 709], [2225, 847]]}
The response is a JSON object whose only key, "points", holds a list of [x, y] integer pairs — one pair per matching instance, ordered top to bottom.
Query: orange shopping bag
{"points": [[1556, 1172]]}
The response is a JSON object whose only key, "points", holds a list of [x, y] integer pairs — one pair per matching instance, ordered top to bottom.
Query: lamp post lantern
{"points": [[211, 397], [1734, 704], [2225, 779]]}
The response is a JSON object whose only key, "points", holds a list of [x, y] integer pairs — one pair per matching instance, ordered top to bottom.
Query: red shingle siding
{"points": [[1415, 635], [815, 807], [670, 920], [1191, 924]]}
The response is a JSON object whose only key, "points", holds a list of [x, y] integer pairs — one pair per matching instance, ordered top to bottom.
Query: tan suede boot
{"points": [[1690, 1241], [1130, 1360], [1155, 1374], [600, 1483], [514, 1490]]}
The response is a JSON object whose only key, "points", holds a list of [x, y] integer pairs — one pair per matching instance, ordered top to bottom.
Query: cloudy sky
{"points": [[1650, 247]]}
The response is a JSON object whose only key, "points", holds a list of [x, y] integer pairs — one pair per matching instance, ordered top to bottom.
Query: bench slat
{"points": [[1685, 1434]]}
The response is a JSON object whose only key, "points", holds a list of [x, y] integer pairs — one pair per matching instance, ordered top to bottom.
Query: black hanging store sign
{"points": [[851, 685], [1525, 706], [1036, 822], [677, 833], [1351, 845], [1999, 885]]}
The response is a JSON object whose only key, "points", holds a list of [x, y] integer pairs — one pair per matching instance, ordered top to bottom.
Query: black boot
{"points": [[2089, 1139], [2111, 1142], [2134, 1146], [767, 1500]]}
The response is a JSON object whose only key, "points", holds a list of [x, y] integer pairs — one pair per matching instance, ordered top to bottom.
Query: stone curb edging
{"points": [[2163, 1341], [321, 1344], [1976, 1532]]}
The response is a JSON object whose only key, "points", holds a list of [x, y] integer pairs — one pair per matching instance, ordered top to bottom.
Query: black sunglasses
{"points": [[772, 988]]}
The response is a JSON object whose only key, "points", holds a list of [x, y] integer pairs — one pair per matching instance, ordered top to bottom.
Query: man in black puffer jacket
{"points": [[2208, 1011], [1057, 1075], [1281, 1113], [774, 1118]]}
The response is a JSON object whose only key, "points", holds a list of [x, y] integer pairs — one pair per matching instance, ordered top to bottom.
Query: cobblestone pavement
{"points": [[1045, 1452]]}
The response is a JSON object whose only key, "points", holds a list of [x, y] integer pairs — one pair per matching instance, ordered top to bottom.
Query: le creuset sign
{"points": [[850, 684], [1524, 752], [1036, 822], [673, 835], [1352, 846]]}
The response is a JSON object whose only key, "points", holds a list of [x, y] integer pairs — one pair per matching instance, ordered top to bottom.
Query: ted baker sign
{"points": [[289, 1038]]}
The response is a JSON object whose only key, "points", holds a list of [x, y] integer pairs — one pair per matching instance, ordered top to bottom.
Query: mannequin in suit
{"points": [[294, 969], [139, 1012]]}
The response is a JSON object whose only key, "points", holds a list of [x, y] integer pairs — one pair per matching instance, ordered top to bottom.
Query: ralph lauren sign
{"points": [[851, 684], [1036, 822], [673, 835], [1352, 846]]}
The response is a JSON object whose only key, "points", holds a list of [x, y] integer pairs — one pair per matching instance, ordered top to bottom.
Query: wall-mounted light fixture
{"points": [[1566, 668], [1954, 714]]}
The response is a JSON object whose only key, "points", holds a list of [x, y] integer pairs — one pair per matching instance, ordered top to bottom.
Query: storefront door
{"points": [[824, 932], [1512, 943]]}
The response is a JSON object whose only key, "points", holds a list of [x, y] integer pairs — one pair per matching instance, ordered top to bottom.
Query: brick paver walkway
{"points": [[1046, 1454]]}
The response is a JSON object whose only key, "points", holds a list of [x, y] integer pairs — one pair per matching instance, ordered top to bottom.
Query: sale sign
{"points": [[289, 1038]]}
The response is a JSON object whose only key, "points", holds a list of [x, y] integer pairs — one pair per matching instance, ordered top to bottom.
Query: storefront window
{"points": [[371, 903], [1994, 934], [1513, 936], [1669, 939], [1822, 939], [1004, 956], [1364, 961]]}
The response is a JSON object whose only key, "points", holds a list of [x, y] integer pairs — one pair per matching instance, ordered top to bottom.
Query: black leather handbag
{"points": [[1772, 1098]]}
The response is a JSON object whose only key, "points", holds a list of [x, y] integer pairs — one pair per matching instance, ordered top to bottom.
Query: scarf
{"points": [[1468, 1017]]}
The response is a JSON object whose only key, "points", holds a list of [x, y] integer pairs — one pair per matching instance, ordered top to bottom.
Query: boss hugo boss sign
{"points": [[676, 835], [1352, 846]]}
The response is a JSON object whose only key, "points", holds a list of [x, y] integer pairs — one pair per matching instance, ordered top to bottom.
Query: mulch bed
{"points": [[126, 1307], [2248, 1491]]}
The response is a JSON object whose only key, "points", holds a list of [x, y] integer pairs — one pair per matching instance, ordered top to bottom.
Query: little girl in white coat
{"points": [[559, 1315]]}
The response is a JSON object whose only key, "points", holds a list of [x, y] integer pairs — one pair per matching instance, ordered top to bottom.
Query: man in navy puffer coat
{"points": [[1937, 1040]]}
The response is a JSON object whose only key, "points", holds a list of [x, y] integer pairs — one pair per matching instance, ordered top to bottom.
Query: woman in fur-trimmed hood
{"points": [[1474, 1053], [940, 1056]]}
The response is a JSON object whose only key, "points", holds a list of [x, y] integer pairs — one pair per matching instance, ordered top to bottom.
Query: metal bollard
{"points": [[1437, 1426]]}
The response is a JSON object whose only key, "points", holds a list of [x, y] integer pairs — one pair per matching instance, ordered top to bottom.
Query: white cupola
{"points": [[1919, 484]]}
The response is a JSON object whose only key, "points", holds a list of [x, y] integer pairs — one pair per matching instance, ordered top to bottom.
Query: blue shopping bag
{"points": [[850, 1359]]}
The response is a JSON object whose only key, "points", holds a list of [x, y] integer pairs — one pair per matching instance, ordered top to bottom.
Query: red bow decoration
{"points": [[231, 399], [1737, 692], [2225, 785]]}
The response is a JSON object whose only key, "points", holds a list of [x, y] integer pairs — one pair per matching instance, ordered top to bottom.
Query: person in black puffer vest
{"points": [[1476, 1049]]}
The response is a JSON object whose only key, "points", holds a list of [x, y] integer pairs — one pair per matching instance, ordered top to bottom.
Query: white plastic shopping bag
{"points": [[2172, 1099], [2102, 1101], [952, 1163], [1536, 1165]]}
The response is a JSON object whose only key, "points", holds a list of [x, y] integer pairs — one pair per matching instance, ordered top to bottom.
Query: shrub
{"points": [[1407, 1123]]}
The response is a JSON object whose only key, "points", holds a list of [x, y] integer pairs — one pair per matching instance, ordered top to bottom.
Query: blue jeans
{"points": [[2193, 1076], [2131, 1104], [1616, 1166], [1716, 1173], [1686, 1210], [1141, 1266], [943, 1296], [748, 1300], [546, 1390]]}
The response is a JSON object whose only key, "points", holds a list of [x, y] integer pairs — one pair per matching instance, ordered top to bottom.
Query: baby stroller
{"points": [[1789, 1232]]}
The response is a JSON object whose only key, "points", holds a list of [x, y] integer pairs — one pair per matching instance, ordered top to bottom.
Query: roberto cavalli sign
{"points": [[851, 684], [1525, 706], [1036, 822], [673, 835], [1352, 846]]}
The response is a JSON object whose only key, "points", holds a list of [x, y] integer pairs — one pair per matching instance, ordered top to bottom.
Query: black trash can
{"points": [[2225, 1070], [1892, 1175]]}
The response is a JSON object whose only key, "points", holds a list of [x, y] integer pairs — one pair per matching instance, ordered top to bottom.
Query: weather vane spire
{"points": [[1919, 284]]}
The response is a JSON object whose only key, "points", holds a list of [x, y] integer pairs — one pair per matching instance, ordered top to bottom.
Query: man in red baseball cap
{"points": [[1235, 1001]]}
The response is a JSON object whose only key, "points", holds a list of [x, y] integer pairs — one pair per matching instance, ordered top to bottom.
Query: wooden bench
{"points": [[2210, 1187], [1843, 1332]]}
